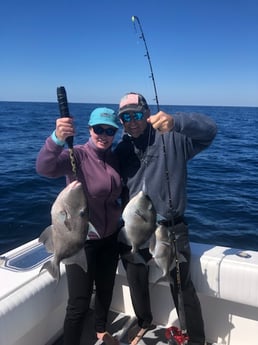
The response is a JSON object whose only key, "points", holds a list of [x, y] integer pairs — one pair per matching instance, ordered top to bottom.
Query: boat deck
{"points": [[118, 324]]}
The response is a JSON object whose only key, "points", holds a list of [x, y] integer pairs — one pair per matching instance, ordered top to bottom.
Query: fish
{"points": [[139, 218], [66, 236], [163, 252]]}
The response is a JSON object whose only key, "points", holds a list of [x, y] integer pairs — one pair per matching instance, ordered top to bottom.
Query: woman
{"points": [[97, 170]]}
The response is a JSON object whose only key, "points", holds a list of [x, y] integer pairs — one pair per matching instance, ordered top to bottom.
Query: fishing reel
{"points": [[175, 336]]}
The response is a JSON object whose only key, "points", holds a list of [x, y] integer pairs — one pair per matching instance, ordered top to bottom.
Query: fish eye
{"points": [[83, 213]]}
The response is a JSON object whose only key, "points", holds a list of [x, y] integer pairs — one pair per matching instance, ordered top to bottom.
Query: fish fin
{"points": [[140, 214], [68, 220], [93, 229], [46, 238], [152, 244], [79, 259], [52, 268], [166, 279]]}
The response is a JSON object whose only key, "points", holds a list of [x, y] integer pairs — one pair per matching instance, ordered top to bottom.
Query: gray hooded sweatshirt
{"points": [[143, 163]]}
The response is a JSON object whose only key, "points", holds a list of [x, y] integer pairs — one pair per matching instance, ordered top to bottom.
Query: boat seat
{"points": [[220, 272]]}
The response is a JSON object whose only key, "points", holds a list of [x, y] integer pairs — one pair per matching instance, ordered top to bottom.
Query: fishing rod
{"points": [[136, 19], [64, 112], [176, 337]]}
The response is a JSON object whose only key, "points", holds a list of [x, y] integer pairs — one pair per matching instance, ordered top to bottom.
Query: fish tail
{"points": [[52, 268], [165, 278], [161, 279]]}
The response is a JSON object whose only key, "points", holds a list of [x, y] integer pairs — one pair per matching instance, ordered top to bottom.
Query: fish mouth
{"points": [[75, 184], [144, 193], [147, 197]]}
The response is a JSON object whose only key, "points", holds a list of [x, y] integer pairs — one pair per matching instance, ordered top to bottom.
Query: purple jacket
{"points": [[99, 174]]}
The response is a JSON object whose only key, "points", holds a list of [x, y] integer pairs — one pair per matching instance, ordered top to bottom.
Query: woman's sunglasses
{"points": [[127, 117], [110, 131]]}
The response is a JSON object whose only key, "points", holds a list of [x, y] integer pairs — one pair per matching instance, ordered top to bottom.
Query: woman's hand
{"points": [[64, 128]]}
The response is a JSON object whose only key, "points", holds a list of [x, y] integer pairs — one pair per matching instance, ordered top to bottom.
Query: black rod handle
{"points": [[64, 110]]}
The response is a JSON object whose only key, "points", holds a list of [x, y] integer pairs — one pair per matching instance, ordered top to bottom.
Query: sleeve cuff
{"points": [[56, 140]]}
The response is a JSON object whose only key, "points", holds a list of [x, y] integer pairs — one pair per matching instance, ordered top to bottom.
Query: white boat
{"points": [[32, 305]]}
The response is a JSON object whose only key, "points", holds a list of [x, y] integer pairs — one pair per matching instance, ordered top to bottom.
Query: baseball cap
{"points": [[132, 102], [103, 116]]}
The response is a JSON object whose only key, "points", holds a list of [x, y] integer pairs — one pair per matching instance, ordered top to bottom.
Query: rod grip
{"points": [[64, 109]]}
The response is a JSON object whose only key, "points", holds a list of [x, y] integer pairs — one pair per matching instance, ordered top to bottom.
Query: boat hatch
{"points": [[27, 259]]}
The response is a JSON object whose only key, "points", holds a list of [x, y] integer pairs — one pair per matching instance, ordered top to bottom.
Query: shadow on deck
{"points": [[118, 324]]}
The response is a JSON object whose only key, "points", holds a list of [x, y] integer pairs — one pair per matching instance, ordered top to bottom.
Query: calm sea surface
{"points": [[222, 185]]}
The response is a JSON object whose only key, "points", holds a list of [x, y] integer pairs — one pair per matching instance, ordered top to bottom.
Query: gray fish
{"points": [[139, 218], [66, 236], [162, 249]]}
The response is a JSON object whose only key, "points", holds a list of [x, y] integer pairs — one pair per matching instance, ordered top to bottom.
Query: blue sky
{"points": [[203, 52]]}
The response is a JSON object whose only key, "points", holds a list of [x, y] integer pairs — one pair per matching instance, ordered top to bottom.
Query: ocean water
{"points": [[222, 183]]}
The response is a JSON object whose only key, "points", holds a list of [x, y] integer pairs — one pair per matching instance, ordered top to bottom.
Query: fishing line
{"points": [[181, 310]]}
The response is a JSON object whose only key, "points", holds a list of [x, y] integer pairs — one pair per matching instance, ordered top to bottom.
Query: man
{"points": [[154, 153]]}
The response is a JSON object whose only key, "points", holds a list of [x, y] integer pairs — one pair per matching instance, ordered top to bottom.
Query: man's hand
{"points": [[162, 122]]}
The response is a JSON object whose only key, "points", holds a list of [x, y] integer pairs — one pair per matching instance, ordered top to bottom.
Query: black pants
{"points": [[102, 259], [137, 276], [138, 281]]}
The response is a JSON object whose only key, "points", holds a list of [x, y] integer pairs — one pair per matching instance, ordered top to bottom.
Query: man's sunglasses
{"points": [[127, 117], [110, 131]]}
